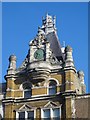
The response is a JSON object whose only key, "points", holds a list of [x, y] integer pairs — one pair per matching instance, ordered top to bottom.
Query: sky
{"points": [[45, 0], [20, 25]]}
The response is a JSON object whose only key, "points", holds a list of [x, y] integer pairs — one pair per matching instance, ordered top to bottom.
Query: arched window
{"points": [[52, 87], [27, 91]]}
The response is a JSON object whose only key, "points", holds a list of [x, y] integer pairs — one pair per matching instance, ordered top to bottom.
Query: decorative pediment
{"points": [[40, 39], [54, 60], [50, 105], [25, 107]]}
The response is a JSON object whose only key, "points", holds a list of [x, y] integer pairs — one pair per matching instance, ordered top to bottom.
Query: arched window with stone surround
{"points": [[52, 87], [27, 90]]}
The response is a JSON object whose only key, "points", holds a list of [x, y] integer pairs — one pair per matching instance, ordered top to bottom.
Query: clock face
{"points": [[39, 54]]}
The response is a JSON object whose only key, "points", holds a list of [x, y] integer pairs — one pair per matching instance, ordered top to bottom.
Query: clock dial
{"points": [[39, 54]]}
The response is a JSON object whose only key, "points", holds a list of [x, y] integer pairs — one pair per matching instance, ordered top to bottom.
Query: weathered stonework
{"points": [[45, 68]]}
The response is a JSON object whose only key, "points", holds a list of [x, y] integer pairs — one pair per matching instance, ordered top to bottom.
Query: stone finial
{"points": [[68, 49], [68, 57], [12, 58], [12, 64], [81, 76]]}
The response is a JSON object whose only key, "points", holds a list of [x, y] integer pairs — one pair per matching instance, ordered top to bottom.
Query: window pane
{"points": [[52, 83], [52, 90], [27, 94], [56, 112], [46, 113], [21, 115], [31, 115]]}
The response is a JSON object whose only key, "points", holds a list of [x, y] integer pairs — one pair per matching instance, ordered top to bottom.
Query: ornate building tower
{"points": [[47, 82]]}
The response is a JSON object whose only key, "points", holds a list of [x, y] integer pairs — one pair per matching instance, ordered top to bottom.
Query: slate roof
{"points": [[55, 45]]}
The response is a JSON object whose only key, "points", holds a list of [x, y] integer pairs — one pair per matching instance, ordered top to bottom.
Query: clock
{"points": [[39, 54]]}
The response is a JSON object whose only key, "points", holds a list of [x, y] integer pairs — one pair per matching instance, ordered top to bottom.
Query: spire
{"points": [[48, 24], [49, 27], [48, 33]]}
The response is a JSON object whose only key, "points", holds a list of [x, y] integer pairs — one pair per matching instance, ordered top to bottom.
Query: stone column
{"points": [[68, 57], [69, 70], [10, 76], [81, 77]]}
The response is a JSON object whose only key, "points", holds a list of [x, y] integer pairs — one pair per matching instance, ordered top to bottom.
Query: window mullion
{"points": [[60, 111], [51, 113], [26, 114], [17, 115]]}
